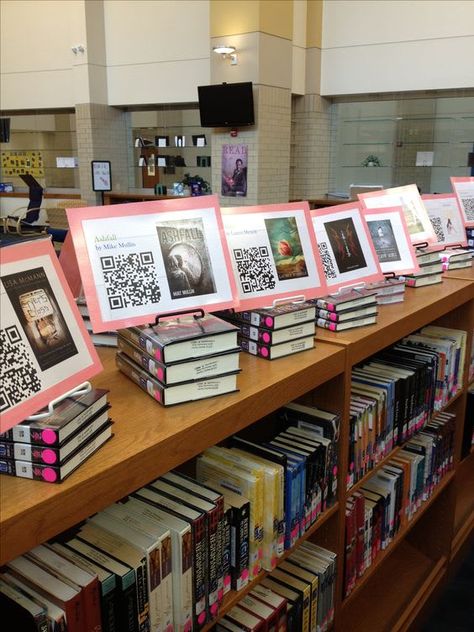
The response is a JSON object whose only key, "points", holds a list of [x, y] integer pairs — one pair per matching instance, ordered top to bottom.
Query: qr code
{"points": [[468, 204], [438, 228], [328, 265], [254, 269], [130, 280], [18, 375]]}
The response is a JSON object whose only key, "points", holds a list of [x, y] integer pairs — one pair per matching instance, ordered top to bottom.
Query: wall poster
{"points": [[234, 170]]}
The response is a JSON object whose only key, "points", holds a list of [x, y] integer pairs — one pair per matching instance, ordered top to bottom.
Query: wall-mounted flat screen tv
{"points": [[226, 105]]}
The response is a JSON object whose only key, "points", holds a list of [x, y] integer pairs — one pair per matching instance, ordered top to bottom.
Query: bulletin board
{"points": [[17, 163]]}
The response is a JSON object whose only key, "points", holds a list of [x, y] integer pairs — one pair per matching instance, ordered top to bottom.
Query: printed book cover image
{"points": [[408, 198], [384, 240], [391, 240], [345, 244], [286, 247], [273, 253], [186, 257], [143, 259], [40, 317], [45, 349]]}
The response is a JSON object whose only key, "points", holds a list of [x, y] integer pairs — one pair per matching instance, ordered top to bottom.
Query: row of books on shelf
{"points": [[394, 393], [50, 448], [390, 498], [161, 560], [298, 595]]}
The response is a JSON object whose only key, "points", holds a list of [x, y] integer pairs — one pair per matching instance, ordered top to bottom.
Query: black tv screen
{"points": [[226, 105]]}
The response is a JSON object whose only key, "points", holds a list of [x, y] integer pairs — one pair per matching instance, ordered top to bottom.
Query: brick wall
{"points": [[103, 133]]}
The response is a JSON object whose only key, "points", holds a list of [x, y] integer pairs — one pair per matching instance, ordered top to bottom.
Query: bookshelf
{"points": [[150, 440]]}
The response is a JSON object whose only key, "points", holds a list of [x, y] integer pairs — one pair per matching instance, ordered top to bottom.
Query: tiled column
{"points": [[102, 134]]}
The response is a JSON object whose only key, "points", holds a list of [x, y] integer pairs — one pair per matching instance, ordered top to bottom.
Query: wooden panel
{"points": [[421, 306], [150, 440]]}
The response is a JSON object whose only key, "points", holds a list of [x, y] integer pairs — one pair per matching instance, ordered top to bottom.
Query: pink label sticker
{"points": [[268, 321], [266, 337], [264, 352], [158, 354], [160, 374], [158, 396], [48, 436], [49, 456], [334, 470], [49, 475], [256, 570], [245, 574], [227, 580], [220, 594], [214, 609], [202, 618], [188, 626]]}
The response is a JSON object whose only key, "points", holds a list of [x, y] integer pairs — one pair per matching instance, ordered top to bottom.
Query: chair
{"points": [[26, 222]]}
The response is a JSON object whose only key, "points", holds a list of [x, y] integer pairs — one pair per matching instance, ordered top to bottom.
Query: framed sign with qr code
{"points": [[463, 188], [408, 197], [447, 218], [391, 240], [272, 249], [346, 249], [144, 259], [45, 349]]}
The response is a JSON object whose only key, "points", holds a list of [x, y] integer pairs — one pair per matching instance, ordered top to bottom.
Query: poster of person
{"points": [[234, 170]]}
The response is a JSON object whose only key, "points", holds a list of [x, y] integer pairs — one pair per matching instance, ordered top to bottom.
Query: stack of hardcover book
{"points": [[455, 258], [431, 269], [388, 291], [346, 310], [275, 332], [181, 359], [50, 449]]}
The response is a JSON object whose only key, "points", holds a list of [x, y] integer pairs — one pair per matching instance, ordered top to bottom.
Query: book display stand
{"points": [[82, 389], [395, 592]]}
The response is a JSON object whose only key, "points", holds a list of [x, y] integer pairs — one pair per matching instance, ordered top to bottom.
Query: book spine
{"points": [[321, 322], [149, 386], [239, 519], [126, 611]]}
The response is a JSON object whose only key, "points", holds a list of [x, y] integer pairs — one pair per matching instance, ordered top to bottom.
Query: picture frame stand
{"points": [[81, 389]]}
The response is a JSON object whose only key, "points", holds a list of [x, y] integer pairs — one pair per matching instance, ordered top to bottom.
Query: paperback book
{"points": [[347, 299]]}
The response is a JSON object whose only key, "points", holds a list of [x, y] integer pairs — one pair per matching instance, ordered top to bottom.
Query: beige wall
{"points": [[388, 46], [157, 52]]}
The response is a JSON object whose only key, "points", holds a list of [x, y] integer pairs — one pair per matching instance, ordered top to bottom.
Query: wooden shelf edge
{"points": [[462, 535], [397, 539], [429, 585], [233, 597]]}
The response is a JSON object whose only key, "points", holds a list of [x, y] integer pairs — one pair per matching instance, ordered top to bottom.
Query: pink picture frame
{"points": [[463, 187], [408, 197], [457, 222], [338, 230], [273, 253], [400, 256], [143, 259], [44, 340]]}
